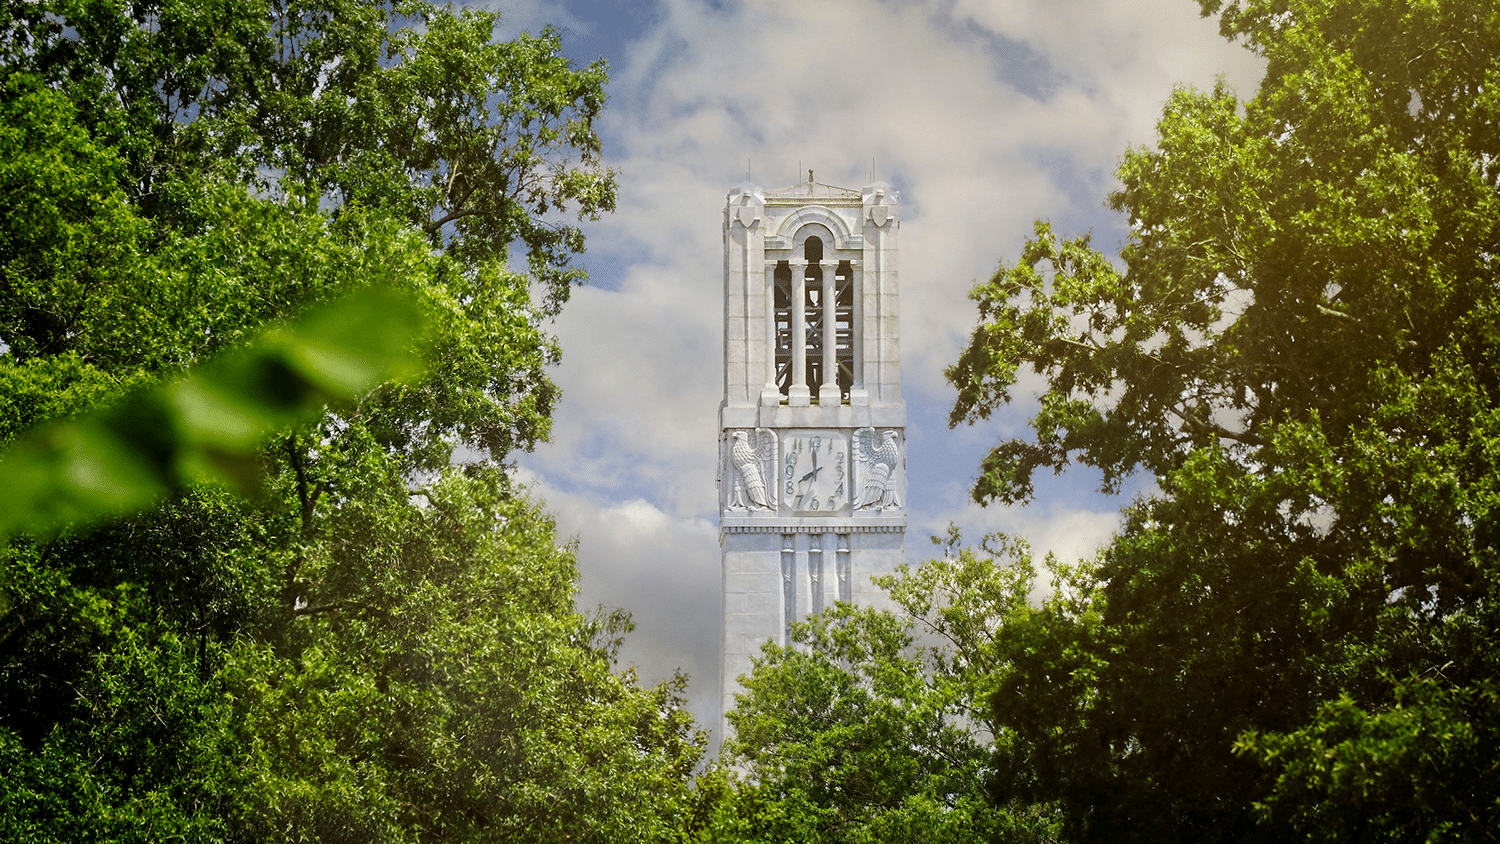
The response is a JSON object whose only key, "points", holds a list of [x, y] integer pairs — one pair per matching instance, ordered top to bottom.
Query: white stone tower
{"points": [[812, 480]]}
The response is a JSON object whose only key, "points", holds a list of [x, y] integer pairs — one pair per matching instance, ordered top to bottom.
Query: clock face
{"points": [[815, 473]]}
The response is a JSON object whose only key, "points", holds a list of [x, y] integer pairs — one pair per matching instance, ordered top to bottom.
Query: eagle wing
{"points": [[766, 452], [745, 463]]}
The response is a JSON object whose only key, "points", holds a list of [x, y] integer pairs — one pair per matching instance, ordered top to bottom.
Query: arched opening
{"points": [[814, 302], [813, 309], [813, 312], [843, 327], [784, 332]]}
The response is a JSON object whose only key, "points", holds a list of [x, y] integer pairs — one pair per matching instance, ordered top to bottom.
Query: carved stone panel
{"points": [[748, 468], [878, 469]]}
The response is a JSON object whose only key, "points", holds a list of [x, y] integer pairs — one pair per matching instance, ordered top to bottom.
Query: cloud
{"points": [[985, 115], [634, 556]]}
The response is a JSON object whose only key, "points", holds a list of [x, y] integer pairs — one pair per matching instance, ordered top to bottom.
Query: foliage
{"points": [[399, 105], [1300, 347], [208, 427], [379, 644], [437, 684], [856, 732], [139, 762], [1349, 772]]}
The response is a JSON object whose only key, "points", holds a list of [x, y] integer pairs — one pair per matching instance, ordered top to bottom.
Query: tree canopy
{"points": [[1289, 637], [380, 643], [871, 725]]}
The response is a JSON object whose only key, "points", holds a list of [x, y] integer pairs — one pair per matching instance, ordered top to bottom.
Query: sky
{"points": [[986, 115]]}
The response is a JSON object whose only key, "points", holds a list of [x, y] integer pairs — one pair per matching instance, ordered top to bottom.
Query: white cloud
{"points": [[517, 16], [986, 115], [664, 570]]}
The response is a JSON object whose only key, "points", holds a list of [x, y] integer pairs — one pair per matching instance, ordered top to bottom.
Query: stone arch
{"points": [[834, 224], [807, 231]]}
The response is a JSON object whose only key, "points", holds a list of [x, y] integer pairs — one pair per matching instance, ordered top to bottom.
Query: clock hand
{"points": [[813, 475], [806, 482]]}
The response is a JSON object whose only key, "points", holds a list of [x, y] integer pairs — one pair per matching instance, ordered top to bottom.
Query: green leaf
{"points": [[208, 425]]}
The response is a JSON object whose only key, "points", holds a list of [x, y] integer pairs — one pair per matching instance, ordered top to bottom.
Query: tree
{"points": [[395, 104], [1288, 637], [381, 643], [450, 691], [856, 732]]}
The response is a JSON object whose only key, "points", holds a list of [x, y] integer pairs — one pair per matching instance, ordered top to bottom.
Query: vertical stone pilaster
{"points": [[744, 250], [882, 315], [770, 394], [859, 394], [843, 567], [815, 572], [788, 585]]}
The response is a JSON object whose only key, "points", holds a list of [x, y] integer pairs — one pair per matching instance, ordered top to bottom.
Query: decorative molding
{"points": [[881, 205], [843, 236], [770, 263], [842, 528]]}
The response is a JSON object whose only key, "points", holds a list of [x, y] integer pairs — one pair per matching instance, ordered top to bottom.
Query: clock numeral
{"points": [[815, 503]]}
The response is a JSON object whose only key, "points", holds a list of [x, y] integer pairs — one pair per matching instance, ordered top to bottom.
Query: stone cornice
{"points": [[869, 524]]}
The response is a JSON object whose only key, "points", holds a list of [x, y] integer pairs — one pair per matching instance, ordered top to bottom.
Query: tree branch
{"points": [[1200, 423], [307, 498], [320, 609]]}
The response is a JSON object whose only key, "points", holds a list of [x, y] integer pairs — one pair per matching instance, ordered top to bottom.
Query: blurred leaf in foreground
{"points": [[208, 426]]}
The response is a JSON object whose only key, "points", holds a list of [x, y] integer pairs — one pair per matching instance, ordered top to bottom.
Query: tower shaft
{"points": [[812, 480]]}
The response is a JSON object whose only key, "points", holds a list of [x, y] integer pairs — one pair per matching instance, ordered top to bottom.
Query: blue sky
{"points": [[985, 114]]}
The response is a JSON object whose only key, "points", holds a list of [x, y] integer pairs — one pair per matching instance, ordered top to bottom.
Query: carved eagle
{"points": [[879, 461], [750, 481]]}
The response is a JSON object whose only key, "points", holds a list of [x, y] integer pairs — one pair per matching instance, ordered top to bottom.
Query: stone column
{"points": [[828, 392], [770, 394], [859, 394], [799, 395]]}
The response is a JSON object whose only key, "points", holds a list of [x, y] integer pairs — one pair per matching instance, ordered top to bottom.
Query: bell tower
{"points": [[812, 450]]}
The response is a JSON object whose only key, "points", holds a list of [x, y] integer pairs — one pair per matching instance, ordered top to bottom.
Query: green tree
{"points": [[401, 105], [1290, 636], [380, 644], [440, 686], [873, 726]]}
